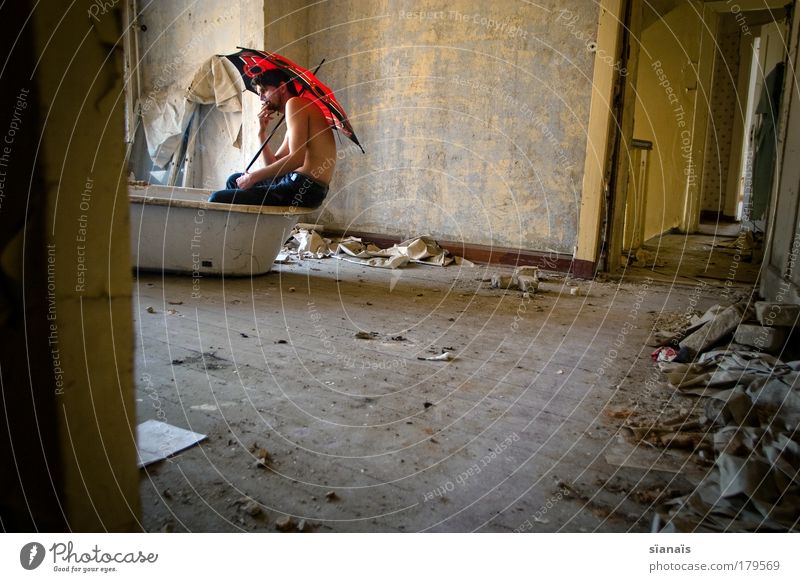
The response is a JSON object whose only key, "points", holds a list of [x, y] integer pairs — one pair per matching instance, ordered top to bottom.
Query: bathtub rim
{"points": [[206, 205]]}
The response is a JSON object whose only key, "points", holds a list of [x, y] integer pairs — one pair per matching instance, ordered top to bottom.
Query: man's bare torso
{"points": [[320, 154]]}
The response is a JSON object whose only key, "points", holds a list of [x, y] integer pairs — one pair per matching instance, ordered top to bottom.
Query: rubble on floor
{"points": [[307, 243], [743, 244], [641, 258], [525, 278], [671, 325], [715, 325], [691, 334], [443, 357], [753, 409], [747, 423]]}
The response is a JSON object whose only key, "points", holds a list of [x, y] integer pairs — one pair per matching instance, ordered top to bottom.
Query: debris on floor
{"points": [[743, 244], [312, 245], [423, 250], [284, 257], [641, 258], [645, 258], [525, 278], [503, 282], [528, 284], [714, 327], [670, 328], [692, 335], [664, 354], [445, 357], [754, 405], [619, 412], [747, 424], [691, 437], [156, 440], [645, 457], [263, 458], [650, 473], [250, 506], [285, 524]]}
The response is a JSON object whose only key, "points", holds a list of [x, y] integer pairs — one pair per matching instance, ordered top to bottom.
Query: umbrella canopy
{"points": [[252, 62]]}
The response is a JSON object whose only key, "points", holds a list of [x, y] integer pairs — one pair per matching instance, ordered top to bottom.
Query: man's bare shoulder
{"points": [[299, 105]]}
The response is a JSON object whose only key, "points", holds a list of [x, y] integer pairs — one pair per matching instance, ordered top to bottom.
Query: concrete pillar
{"points": [[81, 163]]}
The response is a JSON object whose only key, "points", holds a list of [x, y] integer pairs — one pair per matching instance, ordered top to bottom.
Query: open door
{"points": [[696, 134], [780, 280]]}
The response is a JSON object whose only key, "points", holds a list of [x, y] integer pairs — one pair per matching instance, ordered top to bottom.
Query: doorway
{"points": [[695, 173]]}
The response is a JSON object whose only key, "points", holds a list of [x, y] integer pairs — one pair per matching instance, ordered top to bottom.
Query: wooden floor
{"points": [[711, 255], [510, 435]]}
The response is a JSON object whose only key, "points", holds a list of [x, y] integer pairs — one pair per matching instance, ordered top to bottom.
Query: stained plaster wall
{"points": [[285, 33], [176, 38], [672, 99], [725, 107], [473, 116]]}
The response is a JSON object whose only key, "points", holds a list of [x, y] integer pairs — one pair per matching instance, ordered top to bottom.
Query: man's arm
{"points": [[264, 117], [295, 141], [283, 150], [268, 156]]}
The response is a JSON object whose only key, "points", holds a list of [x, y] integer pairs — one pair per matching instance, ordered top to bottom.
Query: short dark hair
{"points": [[274, 78]]}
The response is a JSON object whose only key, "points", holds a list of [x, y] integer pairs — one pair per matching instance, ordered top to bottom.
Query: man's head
{"points": [[275, 88]]}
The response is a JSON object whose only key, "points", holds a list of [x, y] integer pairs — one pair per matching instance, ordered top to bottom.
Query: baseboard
{"points": [[490, 254]]}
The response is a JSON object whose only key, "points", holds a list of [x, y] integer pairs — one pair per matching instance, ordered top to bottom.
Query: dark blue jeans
{"points": [[293, 189]]}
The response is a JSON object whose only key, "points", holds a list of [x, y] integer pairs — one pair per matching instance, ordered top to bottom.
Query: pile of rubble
{"points": [[307, 243], [764, 328], [750, 423]]}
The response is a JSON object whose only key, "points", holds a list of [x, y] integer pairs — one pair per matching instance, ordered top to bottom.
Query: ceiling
{"points": [[655, 9]]}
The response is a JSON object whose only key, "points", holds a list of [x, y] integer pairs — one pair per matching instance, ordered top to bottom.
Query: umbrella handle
{"points": [[274, 129]]}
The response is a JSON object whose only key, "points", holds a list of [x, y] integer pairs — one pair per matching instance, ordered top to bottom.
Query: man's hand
{"points": [[264, 117], [246, 181]]}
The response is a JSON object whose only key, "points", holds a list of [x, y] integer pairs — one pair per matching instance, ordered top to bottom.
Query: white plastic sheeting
{"points": [[166, 114]]}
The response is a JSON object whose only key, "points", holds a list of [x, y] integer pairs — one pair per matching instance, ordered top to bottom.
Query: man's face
{"points": [[270, 96]]}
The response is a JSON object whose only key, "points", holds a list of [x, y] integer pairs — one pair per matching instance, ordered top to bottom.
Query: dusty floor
{"points": [[713, 255], [518, 432]]}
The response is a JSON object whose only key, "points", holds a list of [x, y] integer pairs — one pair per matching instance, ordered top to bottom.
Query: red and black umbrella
{"points": [[252, 62]]}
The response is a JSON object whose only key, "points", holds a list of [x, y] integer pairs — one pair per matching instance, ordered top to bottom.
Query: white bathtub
{"points": [[176, 230]]}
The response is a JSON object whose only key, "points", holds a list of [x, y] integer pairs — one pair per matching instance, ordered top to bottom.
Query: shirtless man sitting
{"points": [[298, 173]]}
